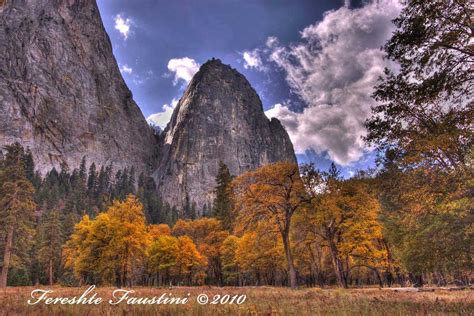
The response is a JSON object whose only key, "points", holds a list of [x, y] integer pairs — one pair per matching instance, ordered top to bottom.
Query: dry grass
{"points": [[260, 301]]}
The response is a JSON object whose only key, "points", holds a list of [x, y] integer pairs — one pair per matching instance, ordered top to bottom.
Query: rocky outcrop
{"points": [[61, 91], [62, 95], [219, 118]]}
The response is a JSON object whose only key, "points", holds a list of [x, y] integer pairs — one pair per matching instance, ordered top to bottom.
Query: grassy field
{"points": [[259, 301]]}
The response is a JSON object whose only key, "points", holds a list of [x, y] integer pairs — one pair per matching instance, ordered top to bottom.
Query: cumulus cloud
{"points": [[123, 25], [271, 42], [252, 59], [183, 68], [125, 69], [333, 69], [162, 118], [324, 129]]}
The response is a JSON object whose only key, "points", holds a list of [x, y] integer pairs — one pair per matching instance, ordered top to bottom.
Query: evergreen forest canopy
{"points": [[408, 222]]}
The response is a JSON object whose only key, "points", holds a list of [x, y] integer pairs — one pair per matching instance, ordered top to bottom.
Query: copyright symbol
{"points": [[202, 299]]}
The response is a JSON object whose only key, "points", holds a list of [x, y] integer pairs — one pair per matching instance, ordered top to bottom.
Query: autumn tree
{"points": [[425, 108], [422, 128], [273, 194], [17, 206], [344, 216], [427, 218], [158, 230], [208, 235], [112, 246], [76, 251], [162, 256], [260, 256], [228, 258], [190, 264]]}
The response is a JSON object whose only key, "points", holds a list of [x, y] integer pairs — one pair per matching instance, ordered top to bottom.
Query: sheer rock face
{"points": [[61, 92], [219, 118]]}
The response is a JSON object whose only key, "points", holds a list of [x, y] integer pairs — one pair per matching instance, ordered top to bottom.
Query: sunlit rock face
{"points": [[61, 91], [219, 118]]}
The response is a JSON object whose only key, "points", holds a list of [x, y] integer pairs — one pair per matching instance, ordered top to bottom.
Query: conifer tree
{"points": [[29, 165], [83, 170], [64, 179], [92, 181], [131, 181], [103, 187], [17, 205], [222, 207], [50, 241]]}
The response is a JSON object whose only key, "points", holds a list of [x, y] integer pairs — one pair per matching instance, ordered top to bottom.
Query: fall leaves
{"points": [[316, 213], [287, 225], [109, 247]]}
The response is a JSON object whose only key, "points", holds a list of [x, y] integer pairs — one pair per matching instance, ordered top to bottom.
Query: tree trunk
{"points": [[6, 258], [289, 259], [316, 267], [338, 269], [50, 271], [379, 278]]}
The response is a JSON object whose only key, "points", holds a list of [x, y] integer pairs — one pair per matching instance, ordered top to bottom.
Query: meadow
{"points": [[259, 301]]}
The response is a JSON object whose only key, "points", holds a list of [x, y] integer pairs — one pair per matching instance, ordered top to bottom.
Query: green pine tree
{"points": [[222, 206], [17, 207], [50, 234]]}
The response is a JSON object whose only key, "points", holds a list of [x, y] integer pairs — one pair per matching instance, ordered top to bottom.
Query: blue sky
{"points": [[313, 63]]}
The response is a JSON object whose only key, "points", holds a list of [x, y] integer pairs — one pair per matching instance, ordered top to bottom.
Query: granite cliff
{"points": [[61, 91], [62, 96], [219, 118]]}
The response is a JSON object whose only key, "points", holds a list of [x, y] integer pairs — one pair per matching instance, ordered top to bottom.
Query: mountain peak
{"points": [[217, 70], [219, 118]]}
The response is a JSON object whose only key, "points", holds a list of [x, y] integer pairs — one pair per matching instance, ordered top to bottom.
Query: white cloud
{"points": [[123, 25], [271, 42], [252, 60], [183, 68], [125, 69], [333, 69], [162, 118], [323, 128]]}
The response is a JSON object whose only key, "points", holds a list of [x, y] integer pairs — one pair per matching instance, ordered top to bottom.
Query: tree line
{"points": [[39, 212], [281, 224]]}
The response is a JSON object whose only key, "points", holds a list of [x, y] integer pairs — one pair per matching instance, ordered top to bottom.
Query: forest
{"points": [[407, 222]]}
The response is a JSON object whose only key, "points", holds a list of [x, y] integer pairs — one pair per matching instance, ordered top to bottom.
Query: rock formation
{"points": [[61, 91], [62, 95], [219, 118]]}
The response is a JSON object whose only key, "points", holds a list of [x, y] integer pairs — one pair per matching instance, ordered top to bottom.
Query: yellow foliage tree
{"points": [[273, 194], [344, 217], [157, 230], [197, 230], [208, 234], [111, 247], [75, 251], [261, 254], [163, 255], [190, 264], [230, 269]]}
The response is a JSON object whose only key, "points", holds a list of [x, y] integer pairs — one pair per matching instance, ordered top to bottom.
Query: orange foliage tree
{"points": [[273, 194], [344, 217], [208, 234], [111, 247]]}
